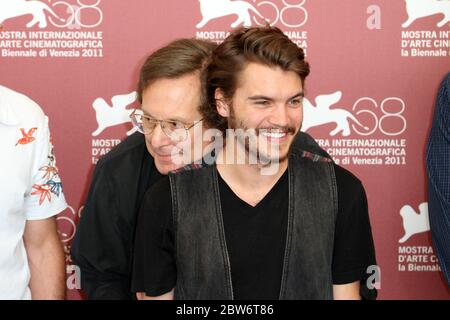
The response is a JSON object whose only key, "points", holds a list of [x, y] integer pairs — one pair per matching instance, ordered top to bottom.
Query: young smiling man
{"points": [[230, 231]]}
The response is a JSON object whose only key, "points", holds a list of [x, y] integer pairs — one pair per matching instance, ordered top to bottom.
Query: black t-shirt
{"points": [[255, 238]]}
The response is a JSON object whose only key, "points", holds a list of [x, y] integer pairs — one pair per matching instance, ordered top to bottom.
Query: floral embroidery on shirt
{"points": [[27, 137], [50, 172], [53, 186], [56, 187], [43, 191]]}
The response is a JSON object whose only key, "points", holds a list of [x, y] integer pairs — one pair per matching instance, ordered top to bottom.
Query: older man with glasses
{"points": [[169, 91]]}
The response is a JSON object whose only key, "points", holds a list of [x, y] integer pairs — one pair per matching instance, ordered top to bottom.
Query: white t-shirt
{"points": [[30, 187]]}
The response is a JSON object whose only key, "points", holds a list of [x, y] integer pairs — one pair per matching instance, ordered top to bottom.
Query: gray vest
{"points": [[203, 264]]}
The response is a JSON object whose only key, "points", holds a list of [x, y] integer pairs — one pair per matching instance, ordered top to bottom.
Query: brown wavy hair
{"points": [[266, 45], [179, 58]]}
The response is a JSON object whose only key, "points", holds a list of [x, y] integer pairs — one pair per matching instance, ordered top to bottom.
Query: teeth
{"points": [[276, 135]]}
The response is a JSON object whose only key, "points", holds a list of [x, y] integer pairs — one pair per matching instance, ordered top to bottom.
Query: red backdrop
{"points": [[376, 68]]}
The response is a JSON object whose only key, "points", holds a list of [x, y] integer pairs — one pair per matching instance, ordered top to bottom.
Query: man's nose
{"points": [[279, 116], [158, 138]]}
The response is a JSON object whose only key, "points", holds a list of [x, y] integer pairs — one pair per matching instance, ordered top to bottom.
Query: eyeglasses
{"points": [[177, 131]]}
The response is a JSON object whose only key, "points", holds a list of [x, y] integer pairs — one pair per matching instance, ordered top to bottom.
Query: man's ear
{"points": [[222, 106]]}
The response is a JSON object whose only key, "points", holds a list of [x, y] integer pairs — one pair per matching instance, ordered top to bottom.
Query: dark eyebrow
{"points": [[301, 94], [261, 97], [171, 119]]}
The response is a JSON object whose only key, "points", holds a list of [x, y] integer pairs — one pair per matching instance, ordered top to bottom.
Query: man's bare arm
{"points": [[46, 259], [349, 291], [166, 296]]}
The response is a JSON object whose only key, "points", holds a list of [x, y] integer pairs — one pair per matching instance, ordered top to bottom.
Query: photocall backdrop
{"points": [[376, 67]]}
